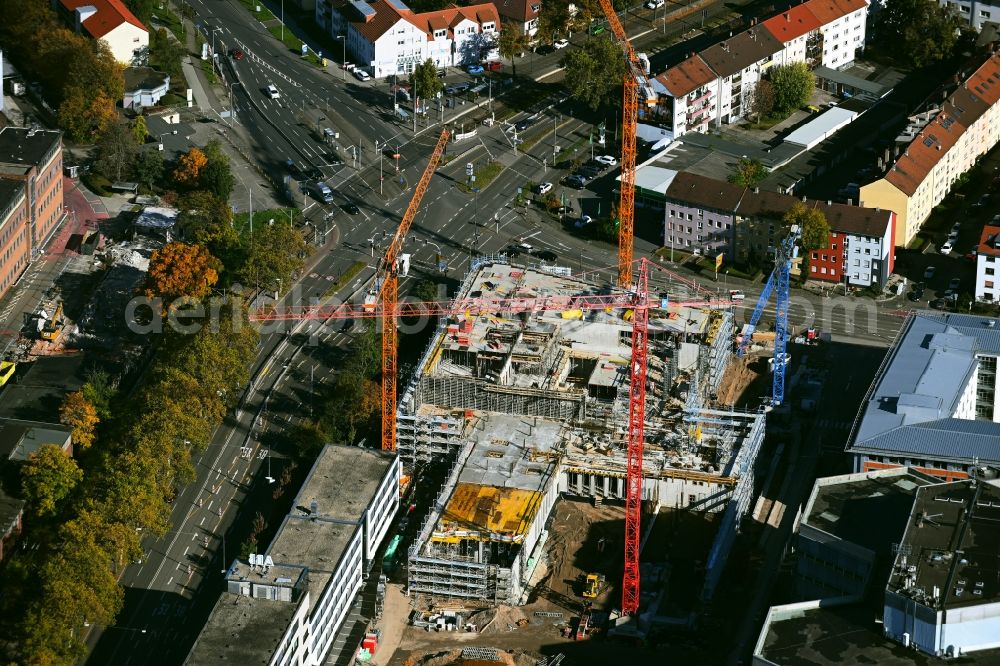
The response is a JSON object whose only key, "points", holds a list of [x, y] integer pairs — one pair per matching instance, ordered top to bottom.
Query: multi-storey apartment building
{"points": [[976, 13], [819, 33], [387, 37], [966, 127], [34, 157], [712, 216], [15, 239], [987, 265]]}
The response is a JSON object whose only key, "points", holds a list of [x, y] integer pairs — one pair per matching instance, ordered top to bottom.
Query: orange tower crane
{"points": [[636, 83], [388, 290]]}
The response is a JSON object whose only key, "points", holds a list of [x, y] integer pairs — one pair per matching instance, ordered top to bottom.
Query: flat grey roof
{"points": [[821, 127], [23, 146], [925, 376], [20, 439], [343, 482], [869, 509], [315, 544], [951, 545], [241, 630], [840, 635]]}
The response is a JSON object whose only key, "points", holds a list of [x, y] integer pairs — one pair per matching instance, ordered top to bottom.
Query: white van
{"points": [[323, 192], [736, 295]]}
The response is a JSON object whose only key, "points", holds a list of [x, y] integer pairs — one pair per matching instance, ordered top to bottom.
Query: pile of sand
{"points": [[503, 617]]}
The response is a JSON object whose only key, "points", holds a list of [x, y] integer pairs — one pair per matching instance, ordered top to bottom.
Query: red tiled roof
{"points": [[851, 6], [828, 11], [110, 14], [452, 16], [385, 17], [792, 24], [687, 76], [985, 82], [962, 108], [927, 148], [989, 240]]}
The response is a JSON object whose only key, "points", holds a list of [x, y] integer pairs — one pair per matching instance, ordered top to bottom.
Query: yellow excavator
{"points": [[53, 327], [593, 585]]}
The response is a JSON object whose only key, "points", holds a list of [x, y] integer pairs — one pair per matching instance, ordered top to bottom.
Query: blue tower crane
{"points": [[778, 281]]}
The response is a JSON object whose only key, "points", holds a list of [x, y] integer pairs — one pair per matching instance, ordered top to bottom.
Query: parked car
{"points": [[654, 4], [560, 44], [545, 49], [236, 54], [494, 66], [475, 70], [362, 75], [456, 88], [271, 91], [522, 125], [606, 159], [590, 172], [576, 181], [544, 188], [983, 200], [583, 221], [955, 228], [947, 247], [546, 255], [929, 273], [954, 283], [916, 292], [938, 304]]}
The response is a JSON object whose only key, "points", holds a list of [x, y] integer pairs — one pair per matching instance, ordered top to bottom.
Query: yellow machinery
{"points": [[53, 327], [7, 369], [592, 586]]}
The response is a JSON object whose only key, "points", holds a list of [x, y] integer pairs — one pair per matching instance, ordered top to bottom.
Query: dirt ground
{"points": [[737, 379]]}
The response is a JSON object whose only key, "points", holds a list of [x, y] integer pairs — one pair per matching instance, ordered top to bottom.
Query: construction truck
{"points": [[53, 327], [593, 585], [584, 625]]}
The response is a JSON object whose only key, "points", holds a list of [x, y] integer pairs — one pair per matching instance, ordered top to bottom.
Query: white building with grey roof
{"points": [[933, 403], [286, 605]]}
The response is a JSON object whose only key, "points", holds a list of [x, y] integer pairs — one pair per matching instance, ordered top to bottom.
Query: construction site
{"points": [[530, 407]]}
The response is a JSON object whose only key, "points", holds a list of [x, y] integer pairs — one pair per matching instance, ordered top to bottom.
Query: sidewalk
{"points": [[84, 211]]}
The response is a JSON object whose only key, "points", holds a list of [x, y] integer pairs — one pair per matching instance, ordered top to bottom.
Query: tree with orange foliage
{"points": [[189, 167], [180, 270], [79, 414]]}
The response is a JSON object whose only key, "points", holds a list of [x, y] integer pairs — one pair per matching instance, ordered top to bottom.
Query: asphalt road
{"points": [[168, 594]]}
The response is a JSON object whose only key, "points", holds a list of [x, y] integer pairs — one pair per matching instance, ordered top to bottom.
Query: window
{"points": [[984, 13], [834, 245], [990, 271], [988, 284]]}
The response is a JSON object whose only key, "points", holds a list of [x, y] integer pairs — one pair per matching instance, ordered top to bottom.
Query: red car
{"points": [[236, 54], [494, 66]]}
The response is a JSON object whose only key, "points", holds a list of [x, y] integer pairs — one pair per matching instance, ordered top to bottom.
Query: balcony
{"points": [[700, 98], [697, 116]]}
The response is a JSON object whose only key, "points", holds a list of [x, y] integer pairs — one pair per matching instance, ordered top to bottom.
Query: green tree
{"points": [[143, 9], [555, 20], [920, 32], [511, 44], [165, 54], [594, 73], [425, 81], [793, 86], [762, 99], [139, 130], [117, 151], [149, 167], [747, 172], [217, 176], [207, 219], [813, 224], [276, 252], [426, 290], [100, 391], [47, 478]]}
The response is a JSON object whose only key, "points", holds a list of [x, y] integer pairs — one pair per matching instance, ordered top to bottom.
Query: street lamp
{"points": [[282, 21], [214, 30], [343, 61]]}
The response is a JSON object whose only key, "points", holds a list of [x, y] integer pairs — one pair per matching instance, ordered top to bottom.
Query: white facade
{"points": [[974, 12], [449, 37], [842, 38], [125, 40], [987, 277]]}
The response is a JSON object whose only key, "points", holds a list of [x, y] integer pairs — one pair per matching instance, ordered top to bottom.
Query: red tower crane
{"points": [[635, 83]]}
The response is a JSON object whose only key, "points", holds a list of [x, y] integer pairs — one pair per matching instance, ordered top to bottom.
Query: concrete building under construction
{"points": [[532, 405]]}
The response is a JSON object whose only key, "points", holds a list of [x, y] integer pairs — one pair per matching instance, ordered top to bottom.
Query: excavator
{"points": [[593, 585]]}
